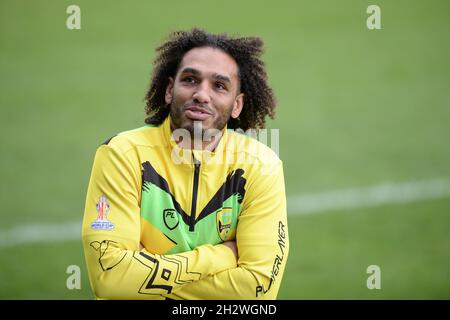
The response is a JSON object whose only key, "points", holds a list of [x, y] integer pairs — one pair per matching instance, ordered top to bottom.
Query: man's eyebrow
{"points": [[191, 70], [216, 76], [221, 77]]}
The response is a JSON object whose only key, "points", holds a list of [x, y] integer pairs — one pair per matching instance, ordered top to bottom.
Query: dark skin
{"points": [[205, 92]]}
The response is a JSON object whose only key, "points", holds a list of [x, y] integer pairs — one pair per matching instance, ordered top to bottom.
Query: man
{"points": [[185, 207]]}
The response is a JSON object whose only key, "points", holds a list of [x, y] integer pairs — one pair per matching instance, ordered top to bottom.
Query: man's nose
{"points": [[201, 95]]}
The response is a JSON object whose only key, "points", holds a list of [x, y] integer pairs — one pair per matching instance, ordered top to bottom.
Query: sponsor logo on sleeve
{"points": [[102, 222], [277, 263]]}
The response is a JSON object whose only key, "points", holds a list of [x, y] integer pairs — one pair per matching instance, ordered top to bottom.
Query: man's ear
{"points": [[169, 91], [237, 106]]}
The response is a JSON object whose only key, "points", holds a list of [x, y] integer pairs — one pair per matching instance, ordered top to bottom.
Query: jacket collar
{"points": [[185, 156]]}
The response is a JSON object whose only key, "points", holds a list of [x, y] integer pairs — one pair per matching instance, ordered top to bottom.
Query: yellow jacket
{"points": [[181, 205]]}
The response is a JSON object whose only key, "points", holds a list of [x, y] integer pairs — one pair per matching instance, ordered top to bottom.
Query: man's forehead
{"points": [[210, 61]]}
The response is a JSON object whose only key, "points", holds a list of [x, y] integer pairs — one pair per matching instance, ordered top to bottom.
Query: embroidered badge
{"points": [[170, 217], [224, 219], [102, 223]]}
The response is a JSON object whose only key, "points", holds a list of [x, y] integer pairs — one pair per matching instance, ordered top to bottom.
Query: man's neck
{"points": [[207, 141]]}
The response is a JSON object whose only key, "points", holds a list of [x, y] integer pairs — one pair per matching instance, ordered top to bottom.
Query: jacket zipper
{"points": [[194, 195]]}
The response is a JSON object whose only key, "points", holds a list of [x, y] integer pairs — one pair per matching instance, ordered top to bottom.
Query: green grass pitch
{"points": [[357, 108]]}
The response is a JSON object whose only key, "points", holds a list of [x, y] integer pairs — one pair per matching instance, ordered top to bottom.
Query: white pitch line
{"points": [[386, 193], [309, 203], [34, 233]]}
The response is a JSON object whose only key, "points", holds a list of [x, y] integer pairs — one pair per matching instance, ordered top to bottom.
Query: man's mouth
{"points": [[197, 113]]}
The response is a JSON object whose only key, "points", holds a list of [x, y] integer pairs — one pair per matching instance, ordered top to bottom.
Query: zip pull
{"points": [[194, 194]]}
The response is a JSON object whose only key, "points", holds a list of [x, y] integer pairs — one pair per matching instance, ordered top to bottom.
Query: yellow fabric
{"points": [[119, 269]]}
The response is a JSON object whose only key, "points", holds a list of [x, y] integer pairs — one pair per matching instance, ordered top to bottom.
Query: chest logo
{"points": [[170, 217], [224, 219]]}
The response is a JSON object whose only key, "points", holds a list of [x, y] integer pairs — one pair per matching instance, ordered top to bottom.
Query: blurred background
{"points": [[364, 119]]}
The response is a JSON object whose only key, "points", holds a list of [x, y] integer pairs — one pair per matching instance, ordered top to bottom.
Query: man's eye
{"points": [[189, 80], [220, 86]]}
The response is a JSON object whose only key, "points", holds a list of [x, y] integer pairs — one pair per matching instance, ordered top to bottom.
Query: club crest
{"points": [[224, 219]]}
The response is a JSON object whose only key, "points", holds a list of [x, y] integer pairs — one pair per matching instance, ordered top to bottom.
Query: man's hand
{"points": [[232, 246]]}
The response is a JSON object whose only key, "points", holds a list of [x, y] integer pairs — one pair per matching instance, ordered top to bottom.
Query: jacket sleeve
{"points": [[263, 246], [117, 268]]}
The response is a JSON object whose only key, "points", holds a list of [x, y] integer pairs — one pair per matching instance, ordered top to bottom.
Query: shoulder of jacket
{"points": [[148, 135], [252, 147]]}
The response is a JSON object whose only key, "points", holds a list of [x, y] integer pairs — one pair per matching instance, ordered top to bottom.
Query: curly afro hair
{"points": [[259, 100]]}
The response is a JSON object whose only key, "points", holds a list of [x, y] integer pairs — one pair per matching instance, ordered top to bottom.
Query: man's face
{"points": [[205, 91]]}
